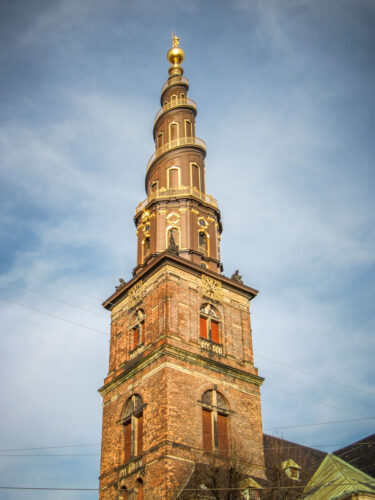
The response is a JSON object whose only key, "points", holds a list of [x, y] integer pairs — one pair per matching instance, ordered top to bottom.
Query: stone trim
{"points": [[187, 266], [177, 353]]}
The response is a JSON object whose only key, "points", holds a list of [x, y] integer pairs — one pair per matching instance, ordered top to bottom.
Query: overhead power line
{"points": [[43, 278], [60, 284], [59, 300], [54, 316], [315, 375], [320, 389], [313, 401], [319, 423], [50, 447], [34, 455], [46, 489]]}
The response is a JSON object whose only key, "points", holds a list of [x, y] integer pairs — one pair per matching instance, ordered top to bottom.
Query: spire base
{"points": [[175, 71]]}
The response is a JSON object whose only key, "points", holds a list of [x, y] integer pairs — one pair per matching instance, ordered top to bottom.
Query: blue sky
{"points": [[285, 99]]}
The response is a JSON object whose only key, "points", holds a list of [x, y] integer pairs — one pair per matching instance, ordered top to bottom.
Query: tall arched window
{"points": [[188, 129], [173, 131], [174, 177], [195, 177], [173, 231], [202, 242], [146, 247], [209, 323], [139, 329], [215, 421], [133, 426], [139, 484], [124, 492]]}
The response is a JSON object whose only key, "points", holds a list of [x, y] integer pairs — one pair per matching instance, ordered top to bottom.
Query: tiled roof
{"points": [[360, 454], [335, 478]]}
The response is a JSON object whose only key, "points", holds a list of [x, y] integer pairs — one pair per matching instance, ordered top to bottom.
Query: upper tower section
{"points": [[177, 214]]}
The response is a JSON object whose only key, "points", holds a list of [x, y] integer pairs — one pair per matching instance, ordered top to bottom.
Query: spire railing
{"points": [[174, 81], [182, 101], [181, 141], [164, 193]]}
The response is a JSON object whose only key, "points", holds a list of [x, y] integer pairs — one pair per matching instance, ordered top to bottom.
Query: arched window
{"points": [[173, 99], [188, 129], [173, 131], [174, 177], [195, 177], [173, 232], [202, 242], [146, 247], [209, 323], [139, 329], [215, 421], [133, 426], [139, 484], [124, 492]]}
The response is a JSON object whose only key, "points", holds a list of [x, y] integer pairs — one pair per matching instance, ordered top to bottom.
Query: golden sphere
{"points": [[176, 56]]}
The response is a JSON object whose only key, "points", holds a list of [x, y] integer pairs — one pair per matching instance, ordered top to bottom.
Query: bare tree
{"points": [[219, 476], [285, 481]]}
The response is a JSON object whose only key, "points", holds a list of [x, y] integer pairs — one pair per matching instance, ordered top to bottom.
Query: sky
{"points": [[285, 96]]}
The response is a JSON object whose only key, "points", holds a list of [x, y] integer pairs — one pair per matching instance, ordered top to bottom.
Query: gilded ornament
{"points": [[175, 55], [145, 216], [211, 288]]}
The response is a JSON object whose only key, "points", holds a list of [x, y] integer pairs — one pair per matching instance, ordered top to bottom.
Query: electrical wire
{"points": [[58, 300], [54, 316], [318, 376], [307, 385], [313, 401], [318, 423], [50, 447], [54, 455], [46, 489]]}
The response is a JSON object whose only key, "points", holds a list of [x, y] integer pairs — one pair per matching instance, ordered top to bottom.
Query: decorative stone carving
{"points": [[172, 247], [237, 277], [122, 283], [211, 288], [135, 295], [208, 345], [129, 468]]}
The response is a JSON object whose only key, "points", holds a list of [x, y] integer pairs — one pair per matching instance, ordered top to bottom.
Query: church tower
{"points": [[181, 386]]}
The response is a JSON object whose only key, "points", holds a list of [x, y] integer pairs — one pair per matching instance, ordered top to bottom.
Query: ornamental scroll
{"points": [[211, 288], [135, 295]]}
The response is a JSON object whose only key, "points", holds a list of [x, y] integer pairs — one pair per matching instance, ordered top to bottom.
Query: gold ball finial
{"points": [[175, 54]]}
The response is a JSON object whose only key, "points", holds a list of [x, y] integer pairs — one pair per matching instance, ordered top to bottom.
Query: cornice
{"points": [[180, 262], [131, 369]]}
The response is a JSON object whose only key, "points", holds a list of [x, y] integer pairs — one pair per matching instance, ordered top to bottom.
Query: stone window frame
{"points": [[146, 247], [205, 253], [210, 314], [139, 329], [215, 415], [132, 421]]}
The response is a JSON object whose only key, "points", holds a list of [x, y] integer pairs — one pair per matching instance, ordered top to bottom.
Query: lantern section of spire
{"points": [[177, 215]]}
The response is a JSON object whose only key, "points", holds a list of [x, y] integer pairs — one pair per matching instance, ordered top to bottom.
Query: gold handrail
{"points": [[174, 80], [182, 101], [181, 141], [173, 192]]}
